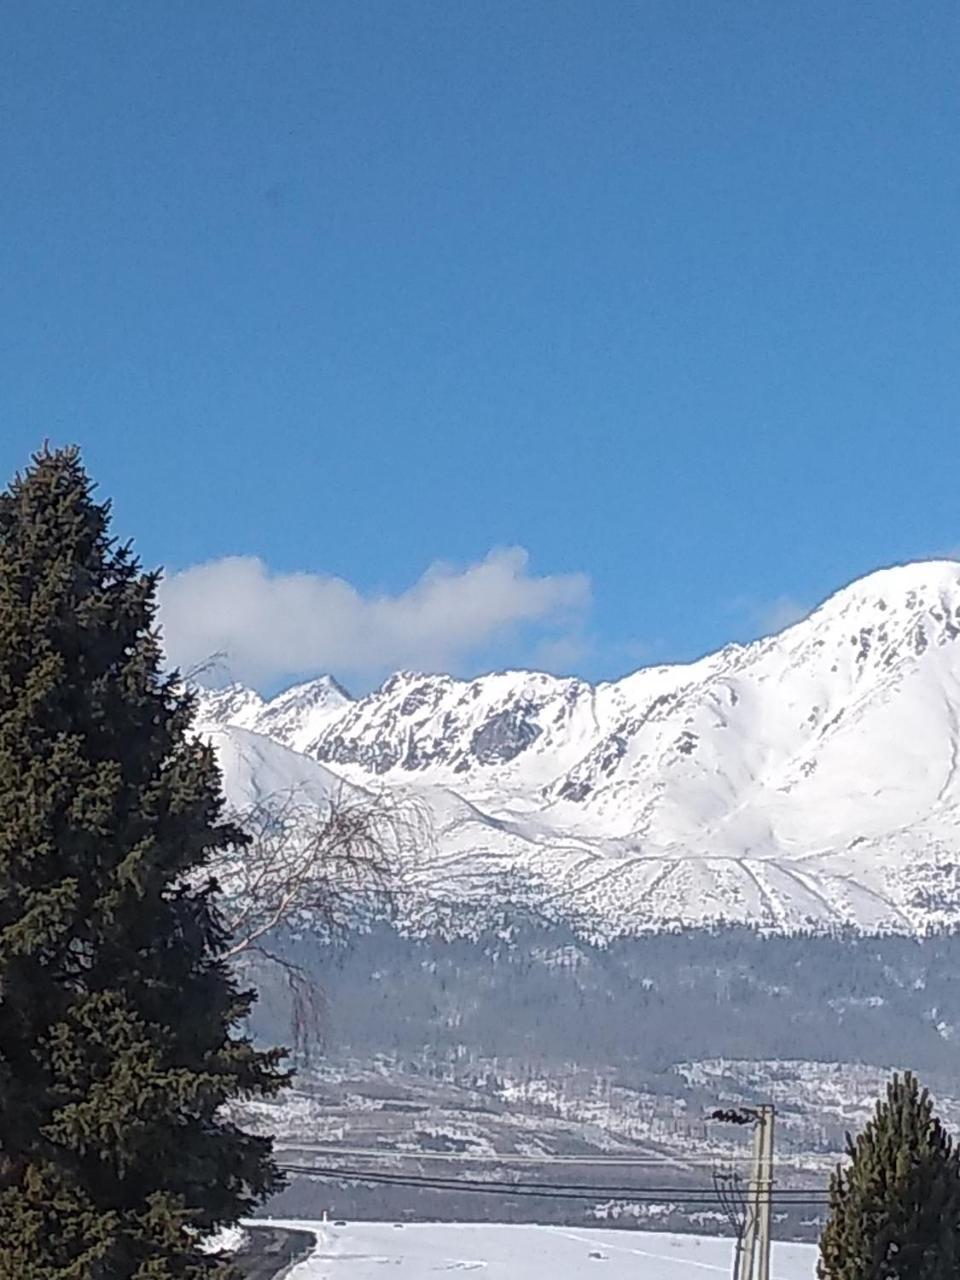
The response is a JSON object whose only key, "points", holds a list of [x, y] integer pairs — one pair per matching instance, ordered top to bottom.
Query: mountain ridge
{"points": [[807, 779]]}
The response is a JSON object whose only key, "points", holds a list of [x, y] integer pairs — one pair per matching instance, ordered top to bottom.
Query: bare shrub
{"points": [[319, 868]]}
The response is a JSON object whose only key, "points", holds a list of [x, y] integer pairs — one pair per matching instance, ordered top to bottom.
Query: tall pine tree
{"points": [[120, 1023], [895, 1207]]}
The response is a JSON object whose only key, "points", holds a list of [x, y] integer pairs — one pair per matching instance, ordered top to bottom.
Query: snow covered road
{"points": [[376, 1251]]}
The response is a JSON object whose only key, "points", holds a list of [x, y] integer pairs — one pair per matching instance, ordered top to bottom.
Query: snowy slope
{"points": [[258, 771], [809, 778]]}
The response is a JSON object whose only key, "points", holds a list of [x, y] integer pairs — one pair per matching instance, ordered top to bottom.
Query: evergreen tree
{"points": [[120, 1022], [895, 1208]]}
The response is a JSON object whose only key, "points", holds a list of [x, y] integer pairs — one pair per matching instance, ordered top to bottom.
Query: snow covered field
{"points": [[373, 1251]]}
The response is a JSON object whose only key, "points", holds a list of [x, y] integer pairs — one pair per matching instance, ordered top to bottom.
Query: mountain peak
{"points": [[321, 689], [299, 715], [806, 778]]}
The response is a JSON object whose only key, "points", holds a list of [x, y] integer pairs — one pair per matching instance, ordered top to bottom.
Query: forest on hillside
{"points": [[539, 994]]}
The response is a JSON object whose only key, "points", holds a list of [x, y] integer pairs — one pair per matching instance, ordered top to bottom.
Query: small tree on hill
{"points": [[119, 1016], [895, 1208]]}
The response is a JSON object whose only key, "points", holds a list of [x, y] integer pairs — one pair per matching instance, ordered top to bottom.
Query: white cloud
{"points": [[270, 626]]}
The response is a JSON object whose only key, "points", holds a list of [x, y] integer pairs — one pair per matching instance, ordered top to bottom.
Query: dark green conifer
{"points": [[120, 1023], [895, 1207]]}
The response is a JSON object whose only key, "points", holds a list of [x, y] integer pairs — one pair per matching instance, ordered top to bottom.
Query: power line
{"points": [[469, 1157], [517, 1158], [577, 1186], [781, 1196]]}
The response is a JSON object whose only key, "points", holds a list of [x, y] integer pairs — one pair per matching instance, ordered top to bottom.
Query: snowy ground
{"points": [[362, 1251]]}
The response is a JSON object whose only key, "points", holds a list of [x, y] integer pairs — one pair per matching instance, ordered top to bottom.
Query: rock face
{"points": [[807, 779]]}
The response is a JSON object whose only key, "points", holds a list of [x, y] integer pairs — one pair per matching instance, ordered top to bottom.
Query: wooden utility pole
{"points": [[765, 1184], [756, 1244], [752, 1262]]}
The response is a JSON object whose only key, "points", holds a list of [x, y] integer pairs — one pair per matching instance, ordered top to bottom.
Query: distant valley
{"points": [[728, 881]]}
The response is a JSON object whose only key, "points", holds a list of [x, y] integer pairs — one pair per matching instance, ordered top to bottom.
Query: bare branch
{"points": [[324, 868], [308, 1007]]}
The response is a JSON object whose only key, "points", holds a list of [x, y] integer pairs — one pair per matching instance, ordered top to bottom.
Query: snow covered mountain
{"points": [[809, 779]]}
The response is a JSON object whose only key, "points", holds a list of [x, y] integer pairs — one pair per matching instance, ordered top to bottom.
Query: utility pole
{"points": [[764, 1175], [752, 1262]]}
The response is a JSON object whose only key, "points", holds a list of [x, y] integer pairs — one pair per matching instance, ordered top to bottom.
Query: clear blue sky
{"points": [[667, 294]]}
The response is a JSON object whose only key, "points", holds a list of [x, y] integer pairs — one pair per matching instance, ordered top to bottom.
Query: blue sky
{"points": [[666, 295]]}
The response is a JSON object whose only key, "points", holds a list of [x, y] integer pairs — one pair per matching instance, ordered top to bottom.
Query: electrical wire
{"points": [[517, 1158], [780, 1196]]}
